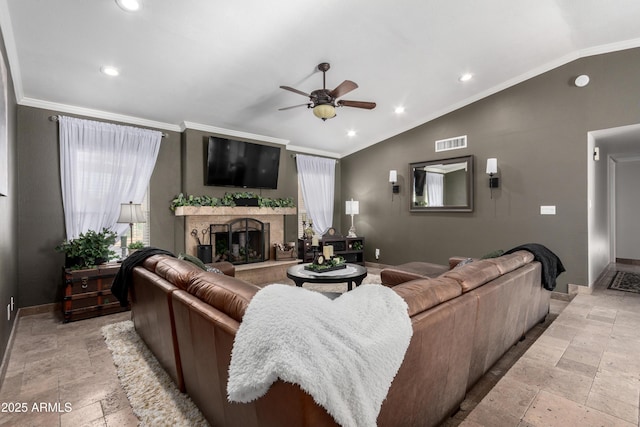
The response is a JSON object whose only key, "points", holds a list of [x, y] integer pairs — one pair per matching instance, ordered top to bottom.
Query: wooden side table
{"points": [[350, 248], [87, 293]]}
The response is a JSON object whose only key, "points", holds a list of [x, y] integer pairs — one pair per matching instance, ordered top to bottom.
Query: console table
{"points": [[349, 248]]}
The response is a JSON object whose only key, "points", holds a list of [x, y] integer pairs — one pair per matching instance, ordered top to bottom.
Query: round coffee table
{"points": [[353, 273]]}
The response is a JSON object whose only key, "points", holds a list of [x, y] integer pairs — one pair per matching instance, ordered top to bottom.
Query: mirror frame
{"points": [[469, 181]]}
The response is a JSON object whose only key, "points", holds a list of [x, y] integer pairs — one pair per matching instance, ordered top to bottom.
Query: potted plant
{"points": [[134, 246], [89, 249]]}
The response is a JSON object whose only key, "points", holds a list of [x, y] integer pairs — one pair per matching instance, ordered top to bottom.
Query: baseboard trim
{"points": [[628, 261], [39, 309]]}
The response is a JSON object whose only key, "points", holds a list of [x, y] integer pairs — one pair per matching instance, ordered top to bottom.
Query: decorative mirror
{"points": [[442, 185]]}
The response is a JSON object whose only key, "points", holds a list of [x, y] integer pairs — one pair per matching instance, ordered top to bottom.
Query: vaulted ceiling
{"points": [[217, 65]]}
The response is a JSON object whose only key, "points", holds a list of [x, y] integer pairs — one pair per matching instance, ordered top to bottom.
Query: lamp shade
{"points": [[324, 111], [492, 166], [393, 176], [352, 207], [131, 213]]}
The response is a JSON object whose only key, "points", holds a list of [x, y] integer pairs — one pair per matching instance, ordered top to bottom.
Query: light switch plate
{"points": [[547, 210]]}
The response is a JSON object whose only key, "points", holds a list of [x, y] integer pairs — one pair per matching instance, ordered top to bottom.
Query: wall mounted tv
{"points": [[232, 163]]}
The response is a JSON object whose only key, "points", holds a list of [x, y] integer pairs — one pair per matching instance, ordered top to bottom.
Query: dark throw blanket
{"points": [[551, 265], [120, 286]]}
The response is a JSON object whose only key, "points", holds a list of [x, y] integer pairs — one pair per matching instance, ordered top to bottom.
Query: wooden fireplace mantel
{"points": [[249, 211]]}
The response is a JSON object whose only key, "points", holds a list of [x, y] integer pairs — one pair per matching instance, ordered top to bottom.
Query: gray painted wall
{"points": [[538, 131], [627, 207], [9, 219]]}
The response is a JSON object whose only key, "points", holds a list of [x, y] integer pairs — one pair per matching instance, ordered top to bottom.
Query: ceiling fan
{"points": [[324, 101]]}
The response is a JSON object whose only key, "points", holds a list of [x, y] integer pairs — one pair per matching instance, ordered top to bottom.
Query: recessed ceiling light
{"points": [[129, 5], [109, 70], [466, 77], [582, 80], [399, 109], [351, 133]]}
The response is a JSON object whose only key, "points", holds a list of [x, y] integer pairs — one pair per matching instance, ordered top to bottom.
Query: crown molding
{"points": [[549, 66], [81, 111], [229, 132], [307, 150]]}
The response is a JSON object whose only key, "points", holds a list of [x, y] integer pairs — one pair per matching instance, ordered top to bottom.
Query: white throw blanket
{"points": [[343, 352]]}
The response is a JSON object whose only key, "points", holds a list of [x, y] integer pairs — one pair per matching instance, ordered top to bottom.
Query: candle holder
{"points": [[304, 229]]}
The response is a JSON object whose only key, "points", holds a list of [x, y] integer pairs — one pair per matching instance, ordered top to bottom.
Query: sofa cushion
{"points": [[507, 263], [172, 269], [475, 274], [392, 276], [227, 294], [422, 294]]}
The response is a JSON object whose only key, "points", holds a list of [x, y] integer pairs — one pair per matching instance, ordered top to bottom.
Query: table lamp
{"points": [[352, 208], [129, 213]]}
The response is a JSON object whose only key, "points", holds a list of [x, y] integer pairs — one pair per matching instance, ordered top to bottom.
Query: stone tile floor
{"points": [[579, 369], [584, 370]]}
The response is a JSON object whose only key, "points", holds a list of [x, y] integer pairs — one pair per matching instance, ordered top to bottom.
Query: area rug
{"points": [[625, 281], [152, 394]]}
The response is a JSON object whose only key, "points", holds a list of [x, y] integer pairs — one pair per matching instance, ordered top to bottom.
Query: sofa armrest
{"points": [[455, 260], [226, 267], [393, 276]]}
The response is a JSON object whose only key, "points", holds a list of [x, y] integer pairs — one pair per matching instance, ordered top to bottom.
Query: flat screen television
{"points": [[232, 163]]}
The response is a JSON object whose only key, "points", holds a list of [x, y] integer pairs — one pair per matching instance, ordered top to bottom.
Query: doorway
{"points": [[611, 196]]}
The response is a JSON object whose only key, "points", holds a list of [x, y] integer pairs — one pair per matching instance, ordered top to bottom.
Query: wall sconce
{"points": [[492, 169], [393, 178], [352, 207]]}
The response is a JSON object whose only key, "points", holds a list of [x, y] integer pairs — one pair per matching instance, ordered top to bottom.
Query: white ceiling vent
{"points": [[451, 143]]}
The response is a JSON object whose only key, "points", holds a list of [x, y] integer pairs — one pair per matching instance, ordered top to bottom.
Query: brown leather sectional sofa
{"points": [[463, 321]]}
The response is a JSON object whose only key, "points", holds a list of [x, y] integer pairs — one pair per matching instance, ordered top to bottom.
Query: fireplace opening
{"points": [[242, 241]]}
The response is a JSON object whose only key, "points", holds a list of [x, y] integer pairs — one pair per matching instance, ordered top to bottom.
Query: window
{"points": [[104, 165]]}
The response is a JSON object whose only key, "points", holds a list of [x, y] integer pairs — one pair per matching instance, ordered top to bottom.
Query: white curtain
{"points": [[103, 165], [317, 179], [435, 189]]}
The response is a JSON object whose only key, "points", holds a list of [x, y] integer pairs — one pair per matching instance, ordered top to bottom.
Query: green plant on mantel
{"points": [[229, 200], [89, 249]]}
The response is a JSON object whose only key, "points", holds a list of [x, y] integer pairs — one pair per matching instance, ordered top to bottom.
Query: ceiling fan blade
{"points": [[343, 88], [295, 90], [357, 104], [293, 106]]}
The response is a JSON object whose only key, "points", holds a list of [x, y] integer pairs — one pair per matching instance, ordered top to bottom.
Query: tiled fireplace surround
{"points": [[200, 218]]}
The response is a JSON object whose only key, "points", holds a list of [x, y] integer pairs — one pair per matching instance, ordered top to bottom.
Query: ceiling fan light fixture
{"points": [[324, 111]]}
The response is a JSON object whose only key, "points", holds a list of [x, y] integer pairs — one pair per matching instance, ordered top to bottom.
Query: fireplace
{"points": [[201, 218], [241, 241]]}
